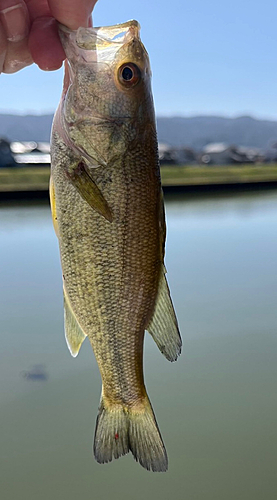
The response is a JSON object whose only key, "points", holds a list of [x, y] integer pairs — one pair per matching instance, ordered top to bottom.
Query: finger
{"points": [[38, 8], [72, 13], [15, 19], [15, 25], [44, 42], [45, 45], [3, 47], [17, 56]]}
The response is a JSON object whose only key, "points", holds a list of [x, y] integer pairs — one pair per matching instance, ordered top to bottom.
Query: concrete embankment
{"points": [[34, 181]]}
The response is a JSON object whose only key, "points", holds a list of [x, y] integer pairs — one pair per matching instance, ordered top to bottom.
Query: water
{"points": [[216, 406]]}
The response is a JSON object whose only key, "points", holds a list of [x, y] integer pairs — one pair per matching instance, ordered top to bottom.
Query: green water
{"points": [[216, 407]]}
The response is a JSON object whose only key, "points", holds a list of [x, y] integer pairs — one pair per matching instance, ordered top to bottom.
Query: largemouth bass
{"points": [[108, 214]]}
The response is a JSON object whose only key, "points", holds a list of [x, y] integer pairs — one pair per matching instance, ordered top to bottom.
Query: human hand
{"points": [[29, 32]]}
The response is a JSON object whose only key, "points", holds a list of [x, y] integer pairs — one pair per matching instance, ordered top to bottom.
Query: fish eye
{"points": [[129, 74]]}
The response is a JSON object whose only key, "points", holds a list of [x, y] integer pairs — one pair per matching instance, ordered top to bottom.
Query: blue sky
{"points": [[213, 57]]}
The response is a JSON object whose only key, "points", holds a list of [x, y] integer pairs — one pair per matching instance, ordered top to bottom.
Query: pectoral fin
{"points": [[89, 191], [53, 206], [163, 325], [74, 334]]}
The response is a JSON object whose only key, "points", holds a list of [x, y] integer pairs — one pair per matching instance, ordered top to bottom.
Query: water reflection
{"points": [[216, 406]]}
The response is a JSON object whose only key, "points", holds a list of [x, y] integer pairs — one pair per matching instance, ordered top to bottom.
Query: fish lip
{"points": [[104, 33], [87, 41]]}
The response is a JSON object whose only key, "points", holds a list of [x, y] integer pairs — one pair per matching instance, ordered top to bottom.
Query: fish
{"points": [[108, 214]]}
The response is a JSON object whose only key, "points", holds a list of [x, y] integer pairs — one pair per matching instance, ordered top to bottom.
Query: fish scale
{"points": [[107, 210], [115, 294]]}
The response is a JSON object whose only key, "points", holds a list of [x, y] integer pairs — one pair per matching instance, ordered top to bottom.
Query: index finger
{"points": [[72, 13]]}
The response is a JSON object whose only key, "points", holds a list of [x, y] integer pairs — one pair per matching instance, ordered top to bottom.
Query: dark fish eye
{"points": [[129, 74]]}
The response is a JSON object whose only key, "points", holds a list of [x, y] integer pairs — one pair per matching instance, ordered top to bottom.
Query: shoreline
{"points": [[33, 182], [168, 190]]}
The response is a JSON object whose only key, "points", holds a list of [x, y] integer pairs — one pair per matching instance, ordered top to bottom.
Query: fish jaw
{"points": [[98, 44], [99, 115]]}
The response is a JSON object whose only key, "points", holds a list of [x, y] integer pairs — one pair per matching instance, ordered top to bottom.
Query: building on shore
{"points": [[31, 153], [221, 153], [21, 154]]}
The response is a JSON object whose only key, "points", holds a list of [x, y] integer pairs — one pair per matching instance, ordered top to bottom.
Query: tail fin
{"points": [[119, 430], [111, 434], [146, 442]]}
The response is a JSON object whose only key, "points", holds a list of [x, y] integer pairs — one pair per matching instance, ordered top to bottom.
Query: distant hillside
{"points": [[26, 127], [198, 131], [194, 132]]}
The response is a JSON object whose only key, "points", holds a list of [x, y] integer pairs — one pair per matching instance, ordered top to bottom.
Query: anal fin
{"points": [[163, 325], [74, 334]]}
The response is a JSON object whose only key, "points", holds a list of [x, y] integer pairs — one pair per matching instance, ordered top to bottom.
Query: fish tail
{"points": [[120, 430], [111, 433], [145, 439]]}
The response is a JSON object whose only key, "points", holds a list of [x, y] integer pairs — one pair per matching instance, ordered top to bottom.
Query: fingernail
{"points": [[15, 20], [14, 66], [52, 68]]}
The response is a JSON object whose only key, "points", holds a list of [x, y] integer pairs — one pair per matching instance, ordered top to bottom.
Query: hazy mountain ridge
{"points": [[25, 127], [198, 131], [194, 132]]}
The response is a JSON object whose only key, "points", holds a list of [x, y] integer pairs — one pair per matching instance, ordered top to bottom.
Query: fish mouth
{"points": [[96, 44]]}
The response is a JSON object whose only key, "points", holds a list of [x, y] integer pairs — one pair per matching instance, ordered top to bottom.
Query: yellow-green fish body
{"points": [[108, 213]]}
